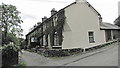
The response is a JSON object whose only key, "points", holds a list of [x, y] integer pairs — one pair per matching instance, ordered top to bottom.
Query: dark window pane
{"points": [[90, 33], [91, 37]]}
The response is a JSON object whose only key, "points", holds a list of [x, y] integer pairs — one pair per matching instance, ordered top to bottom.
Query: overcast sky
{"points": [[33, 10]]}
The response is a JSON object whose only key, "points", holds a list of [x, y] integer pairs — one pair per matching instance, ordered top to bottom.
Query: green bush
{"points": [[10, 47], [60, 52], [10, 55], [20, 65]]}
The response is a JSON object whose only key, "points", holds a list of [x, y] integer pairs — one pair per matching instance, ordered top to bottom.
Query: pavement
{"points": [[34, 59]]}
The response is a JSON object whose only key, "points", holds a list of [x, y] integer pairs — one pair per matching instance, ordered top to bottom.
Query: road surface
{"points": [[107, 56]]}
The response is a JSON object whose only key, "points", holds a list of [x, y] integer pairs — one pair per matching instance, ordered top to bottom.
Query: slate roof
{"points": [[62, 10], [105, 25]]}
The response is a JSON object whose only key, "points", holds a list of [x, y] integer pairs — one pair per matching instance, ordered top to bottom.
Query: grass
{"points": [[20, 65]]}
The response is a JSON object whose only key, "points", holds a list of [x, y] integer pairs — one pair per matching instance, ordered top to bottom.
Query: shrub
{"points": [[10, 47], [59, 52], [10, 54], [20, 65]]}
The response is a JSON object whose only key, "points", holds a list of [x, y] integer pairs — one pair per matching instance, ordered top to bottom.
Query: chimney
{"points": [[78, 1], [53, 11], [44, 18], [38, 23], [35, 26]]}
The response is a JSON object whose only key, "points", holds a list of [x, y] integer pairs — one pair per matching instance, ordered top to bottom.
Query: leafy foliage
{"points": [[10, 21], [12, 31], [37, 34], [12, 38], [21, 39], [10, 47], [10, 55], [20, 65]]}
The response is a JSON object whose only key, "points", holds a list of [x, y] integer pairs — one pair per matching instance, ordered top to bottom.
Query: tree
{"points": [[10, 21], [12, 38]]}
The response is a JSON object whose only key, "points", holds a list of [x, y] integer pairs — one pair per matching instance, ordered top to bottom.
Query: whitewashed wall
{"points": [[119, 8], [79, 20]]}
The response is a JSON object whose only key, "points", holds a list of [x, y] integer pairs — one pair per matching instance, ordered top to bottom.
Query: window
{"points": [[55, 20], [52, 24], [44, 27], [39, 29], [91, 37], [33, 39], [56, 39], [44, 40], [41, 41]]}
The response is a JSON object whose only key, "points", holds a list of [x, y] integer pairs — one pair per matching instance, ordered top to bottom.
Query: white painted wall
{"points": [[119, 8], [79, 20], [67, 40]]}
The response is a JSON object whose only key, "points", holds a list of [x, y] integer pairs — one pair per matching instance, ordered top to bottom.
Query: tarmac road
{"points": [[107, 56]]}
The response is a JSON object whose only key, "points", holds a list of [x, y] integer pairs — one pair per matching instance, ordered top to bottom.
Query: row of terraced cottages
{"points": [[78, 25]]}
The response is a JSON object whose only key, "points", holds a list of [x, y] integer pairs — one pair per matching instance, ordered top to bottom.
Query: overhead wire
{"points": [[51, 1]]}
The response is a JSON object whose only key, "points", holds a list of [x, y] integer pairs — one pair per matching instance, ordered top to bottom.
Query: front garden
{"points": [[67, 52]]}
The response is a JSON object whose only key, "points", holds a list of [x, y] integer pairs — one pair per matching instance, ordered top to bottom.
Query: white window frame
{"points": [[92, 36], [33, 39]]}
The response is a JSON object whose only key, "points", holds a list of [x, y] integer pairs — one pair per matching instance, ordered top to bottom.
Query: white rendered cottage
{"points": [[82, 28]]}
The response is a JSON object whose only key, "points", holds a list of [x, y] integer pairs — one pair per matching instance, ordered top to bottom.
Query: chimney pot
{"points": [[53, 11], [44, 18], [38, 23]]}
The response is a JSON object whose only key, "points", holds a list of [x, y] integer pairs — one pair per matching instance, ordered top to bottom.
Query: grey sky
{"points": [[33, 10]]}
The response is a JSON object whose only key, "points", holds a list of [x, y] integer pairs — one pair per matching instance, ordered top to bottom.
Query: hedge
{"points": [[10, 55]]}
